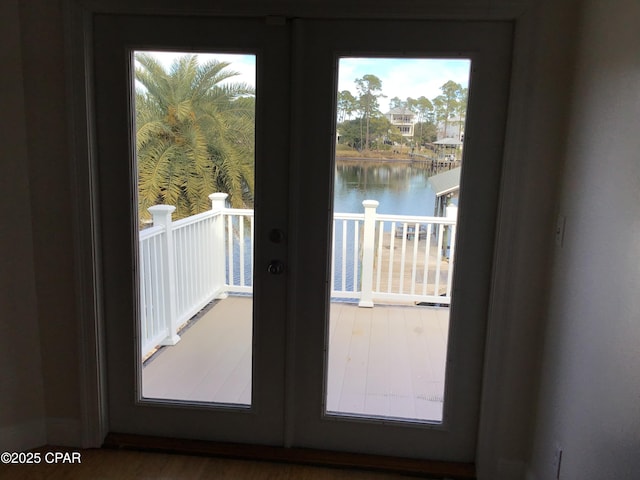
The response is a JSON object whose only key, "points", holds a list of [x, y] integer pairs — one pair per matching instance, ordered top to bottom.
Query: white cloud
{"points": [[244, 65], [400, 77], [404, 77]]}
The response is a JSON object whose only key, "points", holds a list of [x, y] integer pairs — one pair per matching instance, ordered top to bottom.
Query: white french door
{"points": [[487, 47], [295, 132], [167, 396]]}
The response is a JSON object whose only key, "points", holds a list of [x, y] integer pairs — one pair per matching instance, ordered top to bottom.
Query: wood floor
{"points": [[384, 361], [105, 464]]}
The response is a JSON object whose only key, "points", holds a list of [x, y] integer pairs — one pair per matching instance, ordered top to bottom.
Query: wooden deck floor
{"points": [[384, 361]]}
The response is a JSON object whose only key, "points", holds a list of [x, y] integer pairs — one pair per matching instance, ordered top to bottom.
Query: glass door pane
{"points": [[399, 145], [195, 149], [191, 167]]}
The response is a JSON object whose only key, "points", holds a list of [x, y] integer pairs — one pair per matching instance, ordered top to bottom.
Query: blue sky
{"points": [[245, 65], [406, 77]]}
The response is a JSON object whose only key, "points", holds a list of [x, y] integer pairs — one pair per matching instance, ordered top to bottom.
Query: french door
{"points": [[487, 48], [266, 252], [144, 270]]}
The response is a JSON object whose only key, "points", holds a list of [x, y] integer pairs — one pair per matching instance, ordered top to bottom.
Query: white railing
{"points": [[239, 250], [378, 257], [186, 264], [155, 317]]}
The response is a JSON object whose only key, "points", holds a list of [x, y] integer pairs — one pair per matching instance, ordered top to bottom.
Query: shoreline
{"points": [[381, 159]]}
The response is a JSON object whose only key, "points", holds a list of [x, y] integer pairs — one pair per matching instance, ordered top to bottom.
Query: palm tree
{"points": [[194, 136]]}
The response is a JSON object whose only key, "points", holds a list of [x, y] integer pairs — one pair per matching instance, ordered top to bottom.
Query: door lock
{"points": [[276, 235], [276, 267]]}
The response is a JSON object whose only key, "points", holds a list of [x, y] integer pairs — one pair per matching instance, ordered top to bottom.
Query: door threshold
{"points": [[303, 456]]}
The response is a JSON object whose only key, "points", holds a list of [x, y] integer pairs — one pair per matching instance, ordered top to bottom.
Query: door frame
{"points": [[78, 14], [486, 44]]}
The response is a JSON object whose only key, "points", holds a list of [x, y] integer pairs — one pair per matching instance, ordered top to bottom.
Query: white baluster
{"points": [[452, 214], [162, 216], [345, 228], [368, 242], [380, 243], [241, 247], [391, 251], [219, 253], [333, 255], [403, 255], [414, 262], [436, 288]]}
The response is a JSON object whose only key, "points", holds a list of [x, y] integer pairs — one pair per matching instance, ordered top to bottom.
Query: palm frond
{"points": [[193, 135]]}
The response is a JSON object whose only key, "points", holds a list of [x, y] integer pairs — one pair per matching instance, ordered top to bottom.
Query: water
{"points": [[400, 188]]}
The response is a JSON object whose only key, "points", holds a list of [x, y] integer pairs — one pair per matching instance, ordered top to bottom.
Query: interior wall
{"points": [[543, 70], [46, 116], [21, 391], [589, 402]]}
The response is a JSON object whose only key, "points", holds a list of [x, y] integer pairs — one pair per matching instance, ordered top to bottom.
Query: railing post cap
{"points": [[218, 196], [370, 203], [162, 209]]}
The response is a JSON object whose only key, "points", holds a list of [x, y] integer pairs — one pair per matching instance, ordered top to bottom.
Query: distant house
{"points": [[403, 118], [454, 128]]}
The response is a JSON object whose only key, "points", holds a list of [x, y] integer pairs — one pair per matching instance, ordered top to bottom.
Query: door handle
{"points": [[276, 267]]}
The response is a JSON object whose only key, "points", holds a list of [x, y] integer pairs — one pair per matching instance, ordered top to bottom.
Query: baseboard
{"points": [[63, 432], [16, 438], [407, 466]]}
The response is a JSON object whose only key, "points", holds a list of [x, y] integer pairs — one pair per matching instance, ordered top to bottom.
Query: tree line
{"points": [[363, 126], [195, 130]]}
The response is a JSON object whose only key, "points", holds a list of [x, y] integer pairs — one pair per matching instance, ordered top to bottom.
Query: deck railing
{"points": [[381, 257], [184, 265]]}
